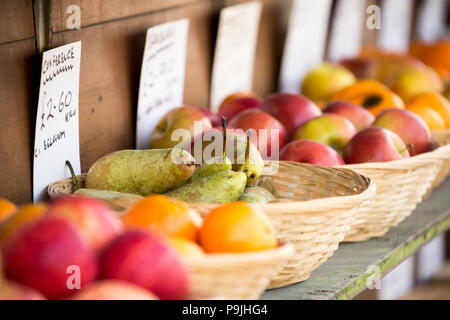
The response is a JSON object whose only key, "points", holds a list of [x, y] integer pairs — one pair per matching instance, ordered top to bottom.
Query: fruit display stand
{"points": [[398, 191], [313, 215], [355, 266]]}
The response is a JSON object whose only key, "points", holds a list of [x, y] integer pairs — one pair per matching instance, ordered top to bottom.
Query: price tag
{"points": [[432, 15], [396, 17], [346, 31], [305, 42], [235, 51], [161, 86], [57, 131]]}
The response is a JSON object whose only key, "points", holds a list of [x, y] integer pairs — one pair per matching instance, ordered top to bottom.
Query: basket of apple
{"points": [[364, 126], [310, 207], [78, 248]]}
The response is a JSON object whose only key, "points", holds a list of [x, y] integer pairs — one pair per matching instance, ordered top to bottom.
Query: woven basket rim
{"points": [[440, 153], [369, 190], [283, 250]]}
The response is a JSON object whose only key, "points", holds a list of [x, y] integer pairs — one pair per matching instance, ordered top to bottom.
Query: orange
{"points": [[437, 57], [372, 95], [435, 101], [433, 120], [7, 208], [161, 213], [26, 214], [236, 227], [186, 248]]}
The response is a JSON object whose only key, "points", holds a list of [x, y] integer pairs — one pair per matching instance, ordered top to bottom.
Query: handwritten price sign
{"points": [[162, 76], [57, 128]]}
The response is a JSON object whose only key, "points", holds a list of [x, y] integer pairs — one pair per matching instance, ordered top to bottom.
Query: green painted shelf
{"points": [[354, 265]]}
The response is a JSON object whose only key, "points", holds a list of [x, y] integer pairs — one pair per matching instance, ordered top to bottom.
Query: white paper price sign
{"points": [[432, 15], [396, 17], [347, 29], [305, 41], [235, 51], [162, 76], [57, 131]]}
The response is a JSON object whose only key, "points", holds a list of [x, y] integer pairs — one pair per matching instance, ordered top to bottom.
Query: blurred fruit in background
{"points": [[436, 55], [322, 82], [370, 94], [238, 95], [432, 100], [235, 106], [290, 109], [358, 116], [183, 117], [213, 117], [433, 119], [260, 120], [408, 126], [330, 129], [375, 144], [312, 152], [7, 208], [161, 213], [24, 215], [94, 220], [236, 227], [186, 248], [40, 254], [147, 260], [113, 290], [14, 291]]}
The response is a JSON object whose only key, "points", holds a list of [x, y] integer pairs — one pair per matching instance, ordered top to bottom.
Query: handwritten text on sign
{"points": [[305, 41], [235, 51], [162, 76], [57, 128]]}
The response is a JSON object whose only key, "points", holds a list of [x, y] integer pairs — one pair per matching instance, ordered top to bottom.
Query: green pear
{"points": [[251, 163], [210, 167], [141, 172], [222, 187], [257, 194], [116, 200]]}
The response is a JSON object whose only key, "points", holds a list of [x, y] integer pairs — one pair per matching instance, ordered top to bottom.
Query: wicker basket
{"points": [[442, 137], [401, 185], [316, 208], [237, 276]]}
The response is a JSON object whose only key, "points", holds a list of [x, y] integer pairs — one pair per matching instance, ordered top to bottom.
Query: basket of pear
{"points": [[310, 207]]}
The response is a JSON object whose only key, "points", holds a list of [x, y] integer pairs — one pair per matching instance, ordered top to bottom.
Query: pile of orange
{"points": [[233, 227]]}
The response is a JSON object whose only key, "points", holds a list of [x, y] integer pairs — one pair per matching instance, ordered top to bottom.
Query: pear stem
{"points": [[224, 147], [247, 148], [74, 177]]}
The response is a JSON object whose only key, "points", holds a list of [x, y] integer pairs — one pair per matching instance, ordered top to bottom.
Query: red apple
{"points": [[233, 107], [290, 109], [359, 116], [186, 117], [213, 117], [408, 126], [266, 129], [330, 129], [375, 144], [308, 151], [94, 220], [42, 254], [145, 259], [113, 290], [14, 291]]}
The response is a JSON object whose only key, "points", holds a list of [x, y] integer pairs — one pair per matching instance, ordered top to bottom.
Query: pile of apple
{"points": [[342, 132], [78, 243]]}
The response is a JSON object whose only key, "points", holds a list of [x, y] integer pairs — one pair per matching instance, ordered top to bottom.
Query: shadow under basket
{"points": [[401, 186], [314, 209]]}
